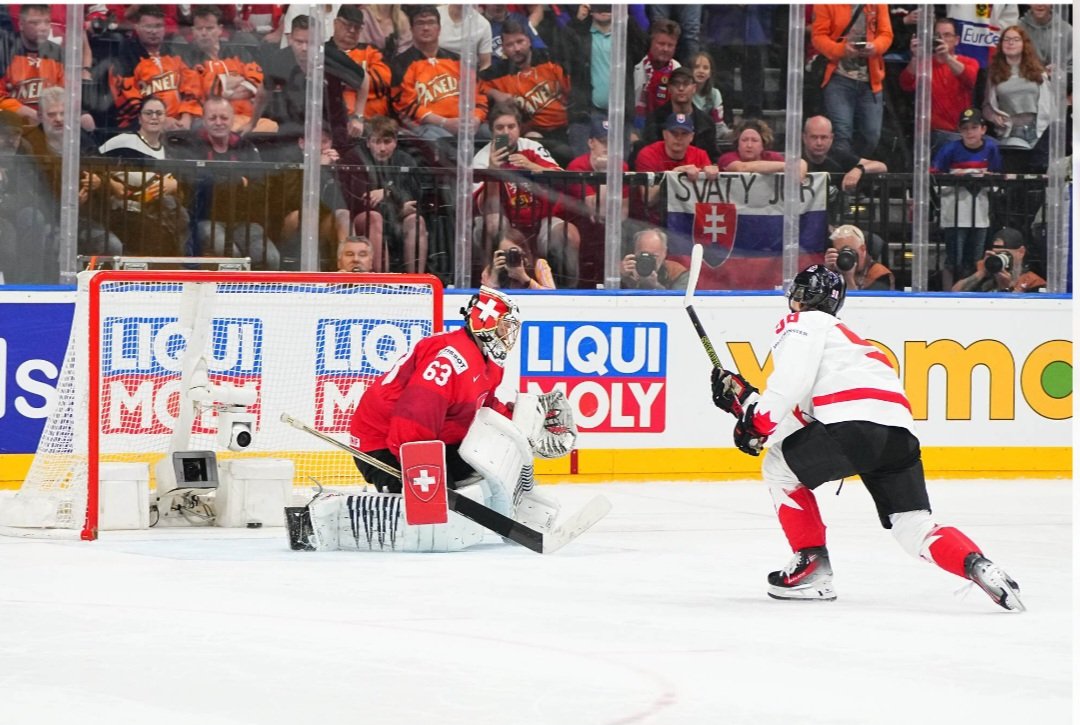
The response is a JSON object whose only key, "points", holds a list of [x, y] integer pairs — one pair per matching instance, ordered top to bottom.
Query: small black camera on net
{"points": [[513, 257], [846, 259], [998, 262], [646, 264]]}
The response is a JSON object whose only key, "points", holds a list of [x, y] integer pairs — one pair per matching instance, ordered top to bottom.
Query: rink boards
{"points": [[989, 378]]}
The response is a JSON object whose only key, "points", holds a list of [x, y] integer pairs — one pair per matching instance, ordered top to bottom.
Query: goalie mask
{"points": [[818, 288], [493, 320]]}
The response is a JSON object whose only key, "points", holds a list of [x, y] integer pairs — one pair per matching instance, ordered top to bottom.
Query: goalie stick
{"points": [[688, 302], [491, 520]]}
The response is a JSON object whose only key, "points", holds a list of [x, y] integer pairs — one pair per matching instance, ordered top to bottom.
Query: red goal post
{"points": [[301, 343]]}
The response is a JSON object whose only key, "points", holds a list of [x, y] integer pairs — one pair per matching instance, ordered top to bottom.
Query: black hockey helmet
{"points": [[818, 288]]}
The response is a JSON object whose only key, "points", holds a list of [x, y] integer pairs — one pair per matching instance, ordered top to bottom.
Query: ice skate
{"points": [[807, 576], [991, 579]]}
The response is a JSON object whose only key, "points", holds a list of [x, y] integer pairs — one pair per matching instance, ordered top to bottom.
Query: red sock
{"points": [[803, 528], [949, 547]]}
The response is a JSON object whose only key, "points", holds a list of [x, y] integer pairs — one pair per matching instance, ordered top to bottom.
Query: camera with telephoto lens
{"points": [[513, 257], [846, 259], [998, 262], [646, 264]]}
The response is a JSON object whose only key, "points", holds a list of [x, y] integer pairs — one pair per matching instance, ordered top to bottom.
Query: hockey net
{"points": [[307, 343]]}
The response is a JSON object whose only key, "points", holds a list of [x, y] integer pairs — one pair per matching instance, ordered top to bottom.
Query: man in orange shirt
{"points": [[347, 26], [33, 63], [146, 67], [225, 71], [425, 83], [538, 86], [853, 98]]}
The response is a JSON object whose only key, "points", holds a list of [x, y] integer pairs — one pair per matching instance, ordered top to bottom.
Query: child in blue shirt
{"points": [[965, 209]]}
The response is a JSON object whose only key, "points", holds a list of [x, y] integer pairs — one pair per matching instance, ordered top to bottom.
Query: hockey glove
{"points": [[731, 392], [559, 433], [749, 439]]}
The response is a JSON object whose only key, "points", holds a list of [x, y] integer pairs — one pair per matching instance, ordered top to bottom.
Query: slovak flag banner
{"points": [[739, 221]]}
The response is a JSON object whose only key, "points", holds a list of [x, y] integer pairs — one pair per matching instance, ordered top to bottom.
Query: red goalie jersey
{"points": [[432, 393]]}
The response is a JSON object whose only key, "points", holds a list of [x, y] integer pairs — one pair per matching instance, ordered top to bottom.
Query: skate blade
{"points": [[805, 594], [1009, 598]]}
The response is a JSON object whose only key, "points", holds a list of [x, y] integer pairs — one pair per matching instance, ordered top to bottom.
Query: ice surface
{"points": [[657, 615]]}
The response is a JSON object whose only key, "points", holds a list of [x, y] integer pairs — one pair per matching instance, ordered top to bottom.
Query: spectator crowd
{"points": [[191, 131]]}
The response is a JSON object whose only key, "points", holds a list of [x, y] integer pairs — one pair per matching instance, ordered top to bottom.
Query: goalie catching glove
{"points": [[731, 393], [547, 421], [560, 432], [748, 438]]}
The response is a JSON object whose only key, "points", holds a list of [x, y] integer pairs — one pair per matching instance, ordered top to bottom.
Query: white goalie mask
{"points": [[493, 319]]}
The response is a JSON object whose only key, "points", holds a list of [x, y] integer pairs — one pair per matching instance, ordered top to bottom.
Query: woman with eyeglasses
{"points": [[1019, 102], [145, 212]]}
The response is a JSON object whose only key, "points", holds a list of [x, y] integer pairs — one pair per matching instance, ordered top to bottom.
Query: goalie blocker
{"points": [[498, 453]]}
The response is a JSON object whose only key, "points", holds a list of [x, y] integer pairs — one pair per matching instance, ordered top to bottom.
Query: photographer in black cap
{"points": [[1005, 267]]}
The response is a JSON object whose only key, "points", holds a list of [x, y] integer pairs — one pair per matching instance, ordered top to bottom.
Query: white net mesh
{"points": [[307, 344]]}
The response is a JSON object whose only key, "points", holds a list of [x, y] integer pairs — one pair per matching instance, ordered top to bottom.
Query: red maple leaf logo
{"points": [[763, 422]]}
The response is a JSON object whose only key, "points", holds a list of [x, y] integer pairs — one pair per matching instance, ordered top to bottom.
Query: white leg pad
{"points": [[498, 450], [537, 511], [325, 513], [376, 522], [911, 529]]}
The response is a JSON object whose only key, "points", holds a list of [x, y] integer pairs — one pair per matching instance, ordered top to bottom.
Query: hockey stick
{"points": [[688, 303], [478, 513]]}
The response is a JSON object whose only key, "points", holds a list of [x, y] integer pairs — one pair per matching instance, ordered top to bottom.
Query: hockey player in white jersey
{"points": [[834, 407]]}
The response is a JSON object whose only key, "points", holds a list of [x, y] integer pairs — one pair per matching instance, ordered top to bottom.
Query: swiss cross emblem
{"points": [[714, 229], [486, 312], [424, 481]]}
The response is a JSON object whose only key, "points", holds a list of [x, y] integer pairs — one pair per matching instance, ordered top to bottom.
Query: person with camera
{"points": [[854, 38], [952, 81], [522, 201], [849, 256], [514, 266], [648, 267], [1005, 267]]}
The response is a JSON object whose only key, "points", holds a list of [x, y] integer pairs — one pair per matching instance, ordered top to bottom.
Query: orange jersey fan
{"points": [[371, 60], [211, 72], [28, 74], [138, 75], [430, 85], [541, 92]]}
